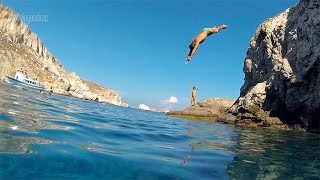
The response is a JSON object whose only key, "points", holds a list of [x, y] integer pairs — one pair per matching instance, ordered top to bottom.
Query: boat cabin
{"points": [[23, 77]]}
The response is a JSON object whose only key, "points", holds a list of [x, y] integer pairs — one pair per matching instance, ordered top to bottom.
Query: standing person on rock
{"points": [[200, 38], [193, 96]]}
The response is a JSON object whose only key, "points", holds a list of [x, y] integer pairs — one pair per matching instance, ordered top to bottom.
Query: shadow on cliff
{"points": [[296, 102]]}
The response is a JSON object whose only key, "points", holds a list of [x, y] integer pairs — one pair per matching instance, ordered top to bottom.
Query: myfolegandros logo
{"points": [[31, 18]]}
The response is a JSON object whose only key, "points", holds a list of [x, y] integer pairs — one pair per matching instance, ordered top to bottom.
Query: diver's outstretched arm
{"points": [[196, 45]]}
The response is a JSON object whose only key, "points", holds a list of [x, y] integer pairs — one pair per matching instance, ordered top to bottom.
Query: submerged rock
{"points": [[22, 49], [282, 81]]}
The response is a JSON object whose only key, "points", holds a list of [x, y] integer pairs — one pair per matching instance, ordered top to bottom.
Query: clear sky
{"points": [[138, 47]]}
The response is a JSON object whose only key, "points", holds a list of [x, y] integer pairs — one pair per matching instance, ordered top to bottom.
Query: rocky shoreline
{"points": [[215, 110], [218, 110]]}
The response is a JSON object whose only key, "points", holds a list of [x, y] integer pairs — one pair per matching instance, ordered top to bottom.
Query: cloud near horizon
{"points": [[171, 100]]}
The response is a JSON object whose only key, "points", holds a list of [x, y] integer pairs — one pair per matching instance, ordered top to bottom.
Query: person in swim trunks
{"points": [[201, 37], [193, 96]]}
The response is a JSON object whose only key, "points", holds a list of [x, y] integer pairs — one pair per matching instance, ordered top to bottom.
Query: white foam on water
{"points": [[14, 127]]}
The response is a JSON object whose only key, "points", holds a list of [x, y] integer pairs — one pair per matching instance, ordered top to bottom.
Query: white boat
{"points": [[21, 79]]}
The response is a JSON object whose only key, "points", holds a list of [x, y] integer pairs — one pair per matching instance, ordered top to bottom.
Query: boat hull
{"points": [[22, 84]]}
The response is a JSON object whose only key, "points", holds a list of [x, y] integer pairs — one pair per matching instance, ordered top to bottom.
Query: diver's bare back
{"points": [[201, 37]]}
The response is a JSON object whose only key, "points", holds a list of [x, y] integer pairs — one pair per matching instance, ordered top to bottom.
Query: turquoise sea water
{"points": [[55, 137]]}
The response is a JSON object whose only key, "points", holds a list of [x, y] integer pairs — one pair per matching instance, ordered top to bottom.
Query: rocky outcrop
{"points": [[22, 49], [282, 81], [144, 107], [211, 109]]}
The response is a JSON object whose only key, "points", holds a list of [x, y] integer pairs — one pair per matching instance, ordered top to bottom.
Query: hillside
{"points": [[20, 48]]}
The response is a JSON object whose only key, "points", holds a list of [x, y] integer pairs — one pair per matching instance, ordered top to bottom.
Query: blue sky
{"points": [[138, 47]]}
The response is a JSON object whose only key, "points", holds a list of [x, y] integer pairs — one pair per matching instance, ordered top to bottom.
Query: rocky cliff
{"points": [[22, 49], [282, 81]]}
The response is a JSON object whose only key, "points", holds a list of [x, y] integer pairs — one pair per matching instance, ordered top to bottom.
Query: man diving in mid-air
{"points": [[202, 36]]}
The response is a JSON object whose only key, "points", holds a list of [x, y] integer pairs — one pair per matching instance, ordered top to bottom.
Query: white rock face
{"points": [[22, 49], [282, 68], [144, 107]]}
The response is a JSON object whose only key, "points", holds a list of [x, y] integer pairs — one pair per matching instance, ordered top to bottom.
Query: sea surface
{"points": [[46, 136]]}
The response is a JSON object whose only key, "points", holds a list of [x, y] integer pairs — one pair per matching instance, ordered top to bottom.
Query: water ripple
{"points": [[60, 137]]}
